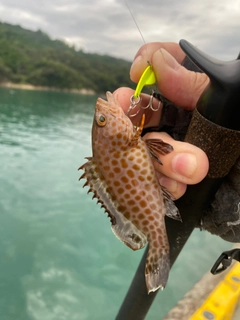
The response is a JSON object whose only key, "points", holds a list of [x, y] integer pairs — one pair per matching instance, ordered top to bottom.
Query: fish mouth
{"points": [[101, 104], [110, 106]]}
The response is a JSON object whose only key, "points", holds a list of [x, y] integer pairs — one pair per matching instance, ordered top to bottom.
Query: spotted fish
{"points": [[122, 177]]}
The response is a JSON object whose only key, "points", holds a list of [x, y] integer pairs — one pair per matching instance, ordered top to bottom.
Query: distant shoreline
{"points": [[12, 85]]}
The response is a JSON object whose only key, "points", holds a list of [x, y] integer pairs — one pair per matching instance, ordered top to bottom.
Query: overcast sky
{"points": [[106, 26]]}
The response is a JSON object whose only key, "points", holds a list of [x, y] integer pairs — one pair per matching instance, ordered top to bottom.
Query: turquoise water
{"points": [[58, 257]]}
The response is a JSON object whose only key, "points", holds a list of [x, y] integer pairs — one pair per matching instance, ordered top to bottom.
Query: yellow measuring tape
{"points": [[224, 299]]}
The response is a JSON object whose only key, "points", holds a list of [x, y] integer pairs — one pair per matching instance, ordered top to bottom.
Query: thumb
{"points": [[176, 83]]}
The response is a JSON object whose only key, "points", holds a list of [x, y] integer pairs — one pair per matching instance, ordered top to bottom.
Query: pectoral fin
{"points": [[156, 147]]}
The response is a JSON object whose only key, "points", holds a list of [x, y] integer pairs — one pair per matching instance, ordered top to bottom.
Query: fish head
{"points": [[111, 127]]}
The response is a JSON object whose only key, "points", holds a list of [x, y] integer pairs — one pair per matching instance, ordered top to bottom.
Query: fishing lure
{"points": [[147, 79]]}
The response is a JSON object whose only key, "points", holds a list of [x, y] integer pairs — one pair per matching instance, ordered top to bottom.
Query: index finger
{"points": [[146, 52]]}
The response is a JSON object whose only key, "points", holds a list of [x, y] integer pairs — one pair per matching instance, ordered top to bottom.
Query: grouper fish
{"points": [[121, 176]]}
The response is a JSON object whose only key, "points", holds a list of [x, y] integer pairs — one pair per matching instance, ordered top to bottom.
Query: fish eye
{"points": [[101, 120]]}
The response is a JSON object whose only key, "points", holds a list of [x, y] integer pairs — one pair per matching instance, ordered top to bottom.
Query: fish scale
{"points": [[121, 175]]}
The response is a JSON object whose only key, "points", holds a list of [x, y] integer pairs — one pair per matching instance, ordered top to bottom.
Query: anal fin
{"points": [[170, 209], [128, 233]]}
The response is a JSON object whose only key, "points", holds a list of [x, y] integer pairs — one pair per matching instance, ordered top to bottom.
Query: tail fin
{"points": [[157, 268]]}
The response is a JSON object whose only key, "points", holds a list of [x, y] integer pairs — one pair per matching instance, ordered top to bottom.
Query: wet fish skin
{"points": [[122, 177]]}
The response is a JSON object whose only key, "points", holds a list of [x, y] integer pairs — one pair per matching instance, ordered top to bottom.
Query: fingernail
{"points": [[169, 59], [135, 62], [185, 164], [169, 184]]}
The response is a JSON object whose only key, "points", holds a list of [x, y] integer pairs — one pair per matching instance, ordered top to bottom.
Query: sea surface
{"points": [[59, 259]]}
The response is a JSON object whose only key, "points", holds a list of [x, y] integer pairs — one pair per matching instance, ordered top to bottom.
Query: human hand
{"points": [[186, 164]]}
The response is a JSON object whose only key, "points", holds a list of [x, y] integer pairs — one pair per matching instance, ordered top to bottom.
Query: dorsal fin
{"points": [[123, 228]]}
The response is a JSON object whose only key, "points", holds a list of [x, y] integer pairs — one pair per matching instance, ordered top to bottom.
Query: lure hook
{"points": [[148, 78], [134, 102], [150, 104]]}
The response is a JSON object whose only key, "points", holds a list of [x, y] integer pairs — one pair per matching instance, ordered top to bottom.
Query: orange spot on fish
{"points": [[119, 135], [103, 152], [116, 155], [130, 157], [106, 159], [114, 162], [124, 163], [145, 164], [136, 167], [116, 169], [130, 173], [111, 175], [125, 180], [134, 182], [128, 186], [120, 190], [133, 191], [149, 198], [131, 202], [143, 203], [153, 206], [121, 208], [135, 209], [148, 211], [141, 216], [151, 218], [145, 222], [154, 234], [155, 244]]}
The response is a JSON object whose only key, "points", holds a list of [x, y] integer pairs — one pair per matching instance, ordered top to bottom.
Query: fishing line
{"points": [[130, 11], [148, 78]]}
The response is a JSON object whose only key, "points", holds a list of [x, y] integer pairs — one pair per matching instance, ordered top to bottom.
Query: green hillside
{"points": [[32, 57]]}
